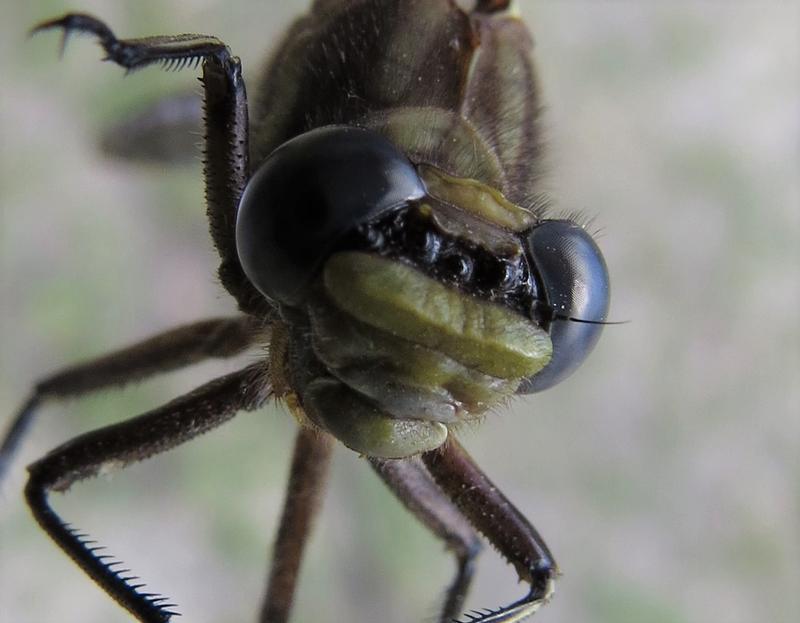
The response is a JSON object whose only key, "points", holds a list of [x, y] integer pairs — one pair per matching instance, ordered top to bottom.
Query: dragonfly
{"points": [[380, 225]]}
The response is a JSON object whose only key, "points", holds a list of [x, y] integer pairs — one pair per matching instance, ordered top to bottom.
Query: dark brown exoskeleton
{"points": [[379, 224]]}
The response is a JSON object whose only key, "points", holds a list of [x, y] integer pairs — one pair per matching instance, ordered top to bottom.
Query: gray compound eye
{"points": [[307, 195], [574, 279]]}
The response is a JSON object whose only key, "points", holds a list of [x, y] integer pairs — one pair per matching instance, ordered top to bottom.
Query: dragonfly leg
{"points": [[226, 155], [171, 350], [118, 446], [410, 481], [304, 493], [491, 513]]}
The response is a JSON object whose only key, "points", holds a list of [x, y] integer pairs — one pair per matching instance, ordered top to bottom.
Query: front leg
{"points": [[226, 154], [120, 445], [410, 481], [491, 512]]}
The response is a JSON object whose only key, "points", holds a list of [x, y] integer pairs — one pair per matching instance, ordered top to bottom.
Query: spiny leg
{"points": [[172, 51], [227, 166], [171, 350], [122, 444], [307, 478], [412, 484], [488, 510]]}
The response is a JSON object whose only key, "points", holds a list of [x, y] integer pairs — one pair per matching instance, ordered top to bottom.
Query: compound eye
{"points": [[307, 195], [574, 278]]}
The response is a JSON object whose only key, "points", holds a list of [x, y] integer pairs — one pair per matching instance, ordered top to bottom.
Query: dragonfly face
{"points": [[379, 223], [416, 304]]}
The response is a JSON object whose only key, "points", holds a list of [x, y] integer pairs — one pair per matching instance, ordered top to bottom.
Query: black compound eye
{"points": [[307, 195], [574, 278]]}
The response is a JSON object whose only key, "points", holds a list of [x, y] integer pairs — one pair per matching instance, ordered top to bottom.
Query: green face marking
{"points": [[476, 198], [398, 299], [362, 427]]}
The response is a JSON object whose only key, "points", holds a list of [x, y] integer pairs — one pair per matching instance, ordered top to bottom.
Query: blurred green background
{"points": [[664, 474]]}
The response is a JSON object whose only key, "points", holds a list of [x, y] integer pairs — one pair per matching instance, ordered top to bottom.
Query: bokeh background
{"points": [[664, 474]]}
